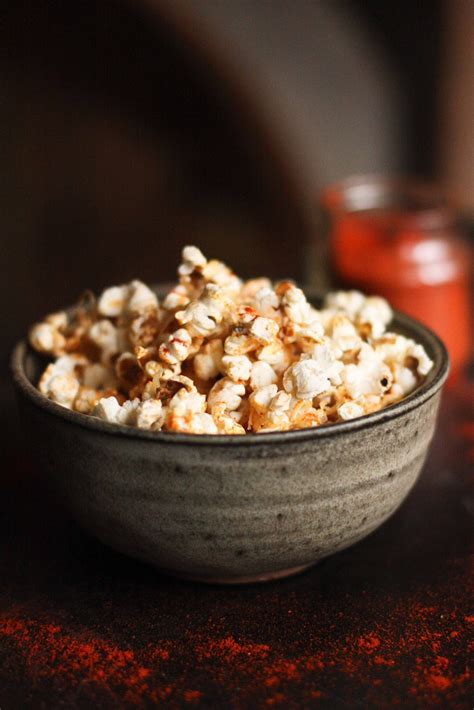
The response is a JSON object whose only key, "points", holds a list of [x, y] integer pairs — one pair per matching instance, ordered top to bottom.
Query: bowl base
{"points": [[245, 579]]}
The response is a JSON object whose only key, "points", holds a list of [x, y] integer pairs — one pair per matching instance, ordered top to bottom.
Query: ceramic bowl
{"points": [[233, 509]]}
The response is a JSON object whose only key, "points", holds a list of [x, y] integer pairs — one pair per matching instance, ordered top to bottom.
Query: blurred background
{"points": [[130, 128]]}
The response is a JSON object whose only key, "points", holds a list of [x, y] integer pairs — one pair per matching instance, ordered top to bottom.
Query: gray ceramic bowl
{"points": [[233, 509]]}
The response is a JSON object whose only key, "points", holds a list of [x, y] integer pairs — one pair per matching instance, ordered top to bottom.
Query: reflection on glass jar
{"points": [[402, 240]]}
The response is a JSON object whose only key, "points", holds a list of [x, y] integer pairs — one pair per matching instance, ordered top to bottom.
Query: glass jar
{"points": [[402, 240]]}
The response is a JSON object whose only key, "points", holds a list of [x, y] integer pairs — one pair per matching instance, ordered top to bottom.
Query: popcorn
{"points": [[192, 259], [211, 272], [218, 273], [250, 289], [141, 298], [176, 298], [112, 301], [266, 302], [349, 302], [371, 311], [375, 312], [203, 316], [198, 317], [57, 320], [303, 320], [142, 330], [264, 330], [250, 333], [343, 333], [104, 335], [47, 337], [239, 344], [176, 347], [396, 348], [418, 353], [278, 355], [222, 356], [326, 356], [208, 361], [237, 367], [129, 372], [261, 375], [97, 376], [370, 376], [308, 378], [404, 378], [305, 379], [60, 382], [63, 389], [226, 392], [260, 399], [85, 400], [187, 402], [107, 409], [350, 410], [128, 412], [187, 413], [278, 413], [150, 414], [304, 415], [224, 422], [193, 424]]}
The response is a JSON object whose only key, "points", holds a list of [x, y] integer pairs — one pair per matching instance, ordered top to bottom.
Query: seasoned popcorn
{"points": [[223, 356]]}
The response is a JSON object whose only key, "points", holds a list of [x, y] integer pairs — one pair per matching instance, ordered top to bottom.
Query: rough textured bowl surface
{"points": [[233, 509]]}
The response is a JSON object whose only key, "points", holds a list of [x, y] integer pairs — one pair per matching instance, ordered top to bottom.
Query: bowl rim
{"points": [[433, 382]]}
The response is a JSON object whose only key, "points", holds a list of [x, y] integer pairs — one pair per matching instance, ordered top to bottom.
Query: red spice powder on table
{"points": [[243, 668]]}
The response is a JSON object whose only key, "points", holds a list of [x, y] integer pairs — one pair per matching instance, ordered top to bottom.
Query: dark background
{"points": [[119, 145]]}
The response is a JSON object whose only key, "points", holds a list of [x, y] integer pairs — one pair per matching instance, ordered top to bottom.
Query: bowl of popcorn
{"points": [[226, 430]]}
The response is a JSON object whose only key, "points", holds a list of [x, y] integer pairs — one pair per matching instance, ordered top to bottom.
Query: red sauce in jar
{"points": [[409, 252]]}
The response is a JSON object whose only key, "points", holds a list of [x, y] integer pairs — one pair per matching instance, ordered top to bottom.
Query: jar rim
{"points": [[420, 203]]}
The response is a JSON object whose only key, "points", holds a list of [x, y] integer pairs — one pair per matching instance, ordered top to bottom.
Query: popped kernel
{"points": [[193, 258], [177, 298], [141, 299], [112, 301], [266, 302], [203, 317], [303, 321], [264, 330], [343, 333], [104, 335], [48, 337], [176, 347], [278, 355], [223, 356], [208, 361], [237, 367], [261, 375], [97, 376], [369, 376], [305, 379], [60, 380], [63, 389], [226, 392], [86, 399], [110, 410], [350, 410], [150, 414], [194, 423], [225, 423]]}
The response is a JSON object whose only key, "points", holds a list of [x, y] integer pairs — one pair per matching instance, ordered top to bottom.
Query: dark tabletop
{"points": [[384, 624]]}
